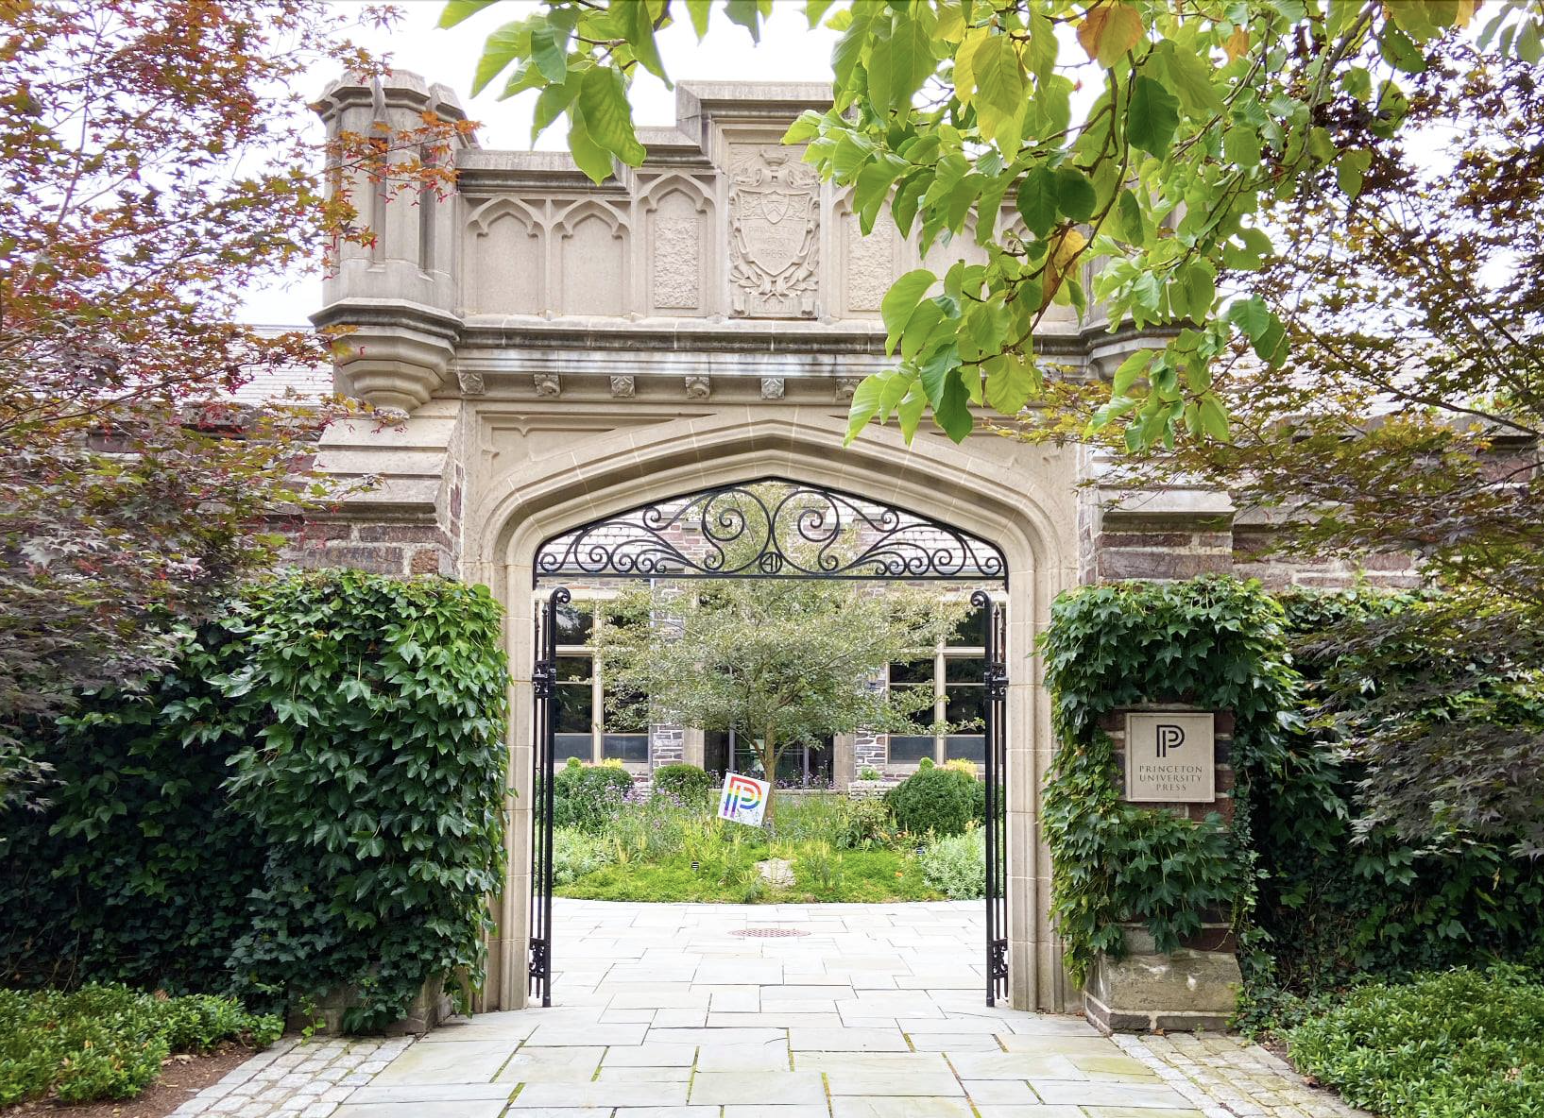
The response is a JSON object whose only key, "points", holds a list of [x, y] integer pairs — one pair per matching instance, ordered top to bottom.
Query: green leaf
{"points": [[458, 10], [814, 10], [700, 12], [747, 14], [638, 30], [502, 47], [549, 49], [1400, 51], [899, 65], [1190, 79], [1000, 99], [551, 103], [607, 115], [1152, 117], [1241, 144], [592, 159], [1351, 170], [873, 187], [1075, 196], [1037, 200], [900, 303], [1250, 315], [919, 329], [1131, 370], [935, 371], [1010, 383], [865, 403], [908, 413], [952, 413], [1214, 418]]}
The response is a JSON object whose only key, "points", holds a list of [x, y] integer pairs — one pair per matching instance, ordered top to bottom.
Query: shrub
{"points": [[868, 772], [685, 784], [588, 797], [933, 800], [867, 824], [350, 842], [575, 854], [955, 865], [108, 1042], [1464, 1044]]}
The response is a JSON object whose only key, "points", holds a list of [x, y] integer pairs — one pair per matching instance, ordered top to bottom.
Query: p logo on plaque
{"points": [[1170, 758]]}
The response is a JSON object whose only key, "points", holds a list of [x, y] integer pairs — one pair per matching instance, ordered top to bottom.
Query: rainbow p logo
{"points": [[743, 800]]}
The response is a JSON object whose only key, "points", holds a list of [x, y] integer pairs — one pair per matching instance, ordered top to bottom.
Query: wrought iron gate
{"points": [[782, 521], [544, 674], [995, 677]]}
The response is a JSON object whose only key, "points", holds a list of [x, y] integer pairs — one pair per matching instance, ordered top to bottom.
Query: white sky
{"points": [[789, 51]]}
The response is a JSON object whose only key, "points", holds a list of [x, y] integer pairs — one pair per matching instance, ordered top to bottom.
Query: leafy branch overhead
{"points": [[1139, 136]]}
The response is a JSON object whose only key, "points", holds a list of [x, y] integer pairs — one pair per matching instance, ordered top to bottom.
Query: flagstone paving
{"points": [[874, 1011]]}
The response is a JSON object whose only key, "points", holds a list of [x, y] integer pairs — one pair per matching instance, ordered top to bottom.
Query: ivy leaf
{"points": [[1109, 31], [1152, 117], [900, 303]]}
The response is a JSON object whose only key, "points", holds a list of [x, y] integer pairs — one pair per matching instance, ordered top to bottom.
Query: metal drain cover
{"points": [[768, 933]]}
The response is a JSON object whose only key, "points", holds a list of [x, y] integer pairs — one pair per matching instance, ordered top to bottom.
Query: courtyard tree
{"points": [[1141, 134], [157, 162], [1408, 419], [779, 661]]}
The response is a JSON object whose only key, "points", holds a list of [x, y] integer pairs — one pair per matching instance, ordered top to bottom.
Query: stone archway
{"points": [[988, 494]]}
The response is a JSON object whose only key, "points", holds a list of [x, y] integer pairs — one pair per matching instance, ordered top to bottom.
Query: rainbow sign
{"points": [[743, 800]]}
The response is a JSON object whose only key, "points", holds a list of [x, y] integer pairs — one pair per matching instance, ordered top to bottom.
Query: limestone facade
{"points": [[556, 351]]}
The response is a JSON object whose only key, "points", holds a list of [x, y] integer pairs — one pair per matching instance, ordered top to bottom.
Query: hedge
{"points": [[309, 802]]}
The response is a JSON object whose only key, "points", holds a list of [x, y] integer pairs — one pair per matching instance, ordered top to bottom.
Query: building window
{"points": [[952, 672], [593, 721], [798, 766]]}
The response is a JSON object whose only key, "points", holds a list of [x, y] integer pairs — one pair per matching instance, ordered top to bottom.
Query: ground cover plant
{"points": [[665, 849], [108, 1041], [1460, 1044]]}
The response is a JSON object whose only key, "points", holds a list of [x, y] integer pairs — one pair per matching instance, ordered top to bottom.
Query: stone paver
{"points": [[876, 1012]]}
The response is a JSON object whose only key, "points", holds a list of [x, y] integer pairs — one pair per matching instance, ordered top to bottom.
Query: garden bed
{"points": [[671, 847], [182, 1076]]}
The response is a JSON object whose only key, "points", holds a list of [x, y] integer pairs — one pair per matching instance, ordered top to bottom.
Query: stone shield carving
{"points": [[774, 216]]}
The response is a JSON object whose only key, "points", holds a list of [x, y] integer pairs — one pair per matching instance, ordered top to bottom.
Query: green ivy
{"points": [[1215, 643], [313, 795]]}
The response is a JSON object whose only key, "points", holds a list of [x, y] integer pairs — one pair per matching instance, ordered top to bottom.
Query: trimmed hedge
{"points": [[686, 784], [940, 801], [310, 802]]}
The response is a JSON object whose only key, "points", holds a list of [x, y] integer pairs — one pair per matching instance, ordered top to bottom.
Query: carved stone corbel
{"points": [[548, 384], [623, 387], [698, 388]]}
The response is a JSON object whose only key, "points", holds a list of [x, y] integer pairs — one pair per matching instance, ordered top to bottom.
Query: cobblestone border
{"points": [[1228, 1077], [305, 1078]]}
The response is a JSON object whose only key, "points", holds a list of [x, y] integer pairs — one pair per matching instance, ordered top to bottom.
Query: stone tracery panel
{"points": [[593, 260], [506, 266]]}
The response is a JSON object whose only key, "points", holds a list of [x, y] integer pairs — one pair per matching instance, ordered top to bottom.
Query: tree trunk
{"points": [[767, 750]]}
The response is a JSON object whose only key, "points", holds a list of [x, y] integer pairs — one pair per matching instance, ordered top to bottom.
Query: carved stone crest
{"points": [[774, 220]]}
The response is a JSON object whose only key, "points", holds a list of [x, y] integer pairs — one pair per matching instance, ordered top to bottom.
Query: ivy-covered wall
{"points": [[1212, 643], [309, 802], [1313, 898]]}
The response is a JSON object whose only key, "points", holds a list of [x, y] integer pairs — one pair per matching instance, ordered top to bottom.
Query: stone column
{"points": [[1197, 985]]}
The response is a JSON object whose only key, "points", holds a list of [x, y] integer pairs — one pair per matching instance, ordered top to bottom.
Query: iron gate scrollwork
{"points": [[776, 529], [544, 675], [995, 678]]}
